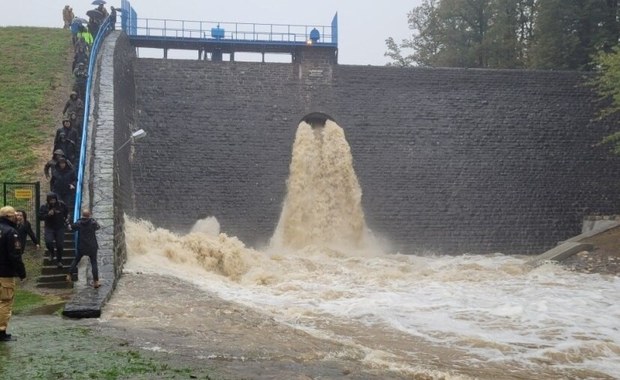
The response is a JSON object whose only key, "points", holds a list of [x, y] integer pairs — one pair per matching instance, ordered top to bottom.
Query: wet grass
{"points": [[32, 66], [35, 76], [28, 300], [49, 348]]}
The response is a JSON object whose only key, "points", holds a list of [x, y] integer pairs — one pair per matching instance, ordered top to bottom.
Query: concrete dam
{"points": [[448, 160]]}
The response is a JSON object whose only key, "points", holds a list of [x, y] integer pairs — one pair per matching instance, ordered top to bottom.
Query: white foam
{"points": [[323, 270], [491, 306]]}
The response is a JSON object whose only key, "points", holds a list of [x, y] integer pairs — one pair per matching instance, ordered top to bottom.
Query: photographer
{"points": [[54, 213]]}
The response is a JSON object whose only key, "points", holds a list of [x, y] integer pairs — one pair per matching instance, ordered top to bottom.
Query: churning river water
{"points": [[444, 317]]}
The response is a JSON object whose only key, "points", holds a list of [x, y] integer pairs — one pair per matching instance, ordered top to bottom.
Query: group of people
{"points": [[96, 17], [61, 169], [55, 212], [14, 230]]}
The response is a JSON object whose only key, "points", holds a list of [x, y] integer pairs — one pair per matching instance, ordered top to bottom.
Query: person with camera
{"points": [[54, 213]]}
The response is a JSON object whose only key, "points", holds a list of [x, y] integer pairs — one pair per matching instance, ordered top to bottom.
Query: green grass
{"points": [[32, 66], [25, 301], [46, 351]]}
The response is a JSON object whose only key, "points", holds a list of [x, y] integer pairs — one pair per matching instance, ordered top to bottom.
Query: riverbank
{"points": [[603, 259]]}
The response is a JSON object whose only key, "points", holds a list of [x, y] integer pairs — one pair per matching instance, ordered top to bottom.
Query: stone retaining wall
{"points": [[454, 160], [109, 176]]}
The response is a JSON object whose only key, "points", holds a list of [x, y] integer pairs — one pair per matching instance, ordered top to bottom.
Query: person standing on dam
{"points": [[87, 246]]}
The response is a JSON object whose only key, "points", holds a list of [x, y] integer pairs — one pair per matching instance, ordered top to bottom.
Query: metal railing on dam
{"points": [[218, 37], [95, 187]]}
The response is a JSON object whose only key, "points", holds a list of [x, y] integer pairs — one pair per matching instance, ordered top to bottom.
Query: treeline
{"points": [[508, 34]]}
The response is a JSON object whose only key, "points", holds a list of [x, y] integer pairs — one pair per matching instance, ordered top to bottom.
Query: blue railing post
{"points": [[125, 16], [134, 22], [335, 29]]}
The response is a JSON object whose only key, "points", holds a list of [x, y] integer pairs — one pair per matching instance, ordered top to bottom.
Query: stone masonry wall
{"points": [[453, 160], [109, 174]]}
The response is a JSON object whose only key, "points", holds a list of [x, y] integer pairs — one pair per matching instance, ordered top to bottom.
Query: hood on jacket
{"points": [[50, 196]]}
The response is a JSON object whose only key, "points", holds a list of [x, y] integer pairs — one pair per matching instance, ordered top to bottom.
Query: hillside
{"points": [[35, 72]]}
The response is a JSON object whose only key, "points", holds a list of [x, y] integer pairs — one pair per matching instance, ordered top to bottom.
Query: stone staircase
{"points": [[52, 276]]}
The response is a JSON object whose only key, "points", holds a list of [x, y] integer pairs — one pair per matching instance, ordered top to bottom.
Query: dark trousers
{"points": [[55, 238], [92, 255]]}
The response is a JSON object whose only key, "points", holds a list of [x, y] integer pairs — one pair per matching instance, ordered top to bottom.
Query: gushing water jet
{"points": [[323, 202]]}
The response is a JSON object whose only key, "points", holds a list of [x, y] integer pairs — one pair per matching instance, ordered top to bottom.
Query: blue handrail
{"points": [[105, 28]]}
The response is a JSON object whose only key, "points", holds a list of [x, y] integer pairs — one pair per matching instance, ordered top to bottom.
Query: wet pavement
{"points": [[143, 338]]}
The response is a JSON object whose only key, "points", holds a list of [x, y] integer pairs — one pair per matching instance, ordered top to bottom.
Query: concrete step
{"points": [[560, 252], [49, 263], [52, 270], [53, 277], [46, 279], [55, 285]]}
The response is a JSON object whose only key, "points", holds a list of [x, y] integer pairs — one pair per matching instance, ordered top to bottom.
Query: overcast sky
{"points": [[363, 24]]}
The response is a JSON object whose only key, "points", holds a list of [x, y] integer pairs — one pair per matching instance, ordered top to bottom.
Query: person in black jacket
{"points": [[67, 140], [53, 163], [63, 182], [54, 213], [24, 230], [87, 245], [11, 266]]}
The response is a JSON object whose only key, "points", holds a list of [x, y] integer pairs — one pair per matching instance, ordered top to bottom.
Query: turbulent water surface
{"points": [[325, 290]]}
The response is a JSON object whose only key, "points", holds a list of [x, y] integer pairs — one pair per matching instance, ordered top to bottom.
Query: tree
{"points": [[424, 23], [462, 33], [542, 34], [395, 53], [607, 84]]}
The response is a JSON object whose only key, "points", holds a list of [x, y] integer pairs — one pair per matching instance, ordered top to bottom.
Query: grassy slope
{"points": [[33, 77]]}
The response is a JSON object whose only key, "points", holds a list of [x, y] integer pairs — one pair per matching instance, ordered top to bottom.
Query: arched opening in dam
{"points": [[317, 119]]}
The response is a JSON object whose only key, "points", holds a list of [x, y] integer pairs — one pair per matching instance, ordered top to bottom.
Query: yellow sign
{"points": [[23, 193]]}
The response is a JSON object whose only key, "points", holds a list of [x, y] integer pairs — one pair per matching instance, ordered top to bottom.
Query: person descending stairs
{"points": [[60, 247], [52, 274]]}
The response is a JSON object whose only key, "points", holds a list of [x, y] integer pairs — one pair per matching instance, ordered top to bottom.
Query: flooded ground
{"points": [[325, 301], [325, 314]]}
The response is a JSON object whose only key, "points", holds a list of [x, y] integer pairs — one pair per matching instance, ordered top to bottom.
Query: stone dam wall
{"points": [[449, 160]]}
